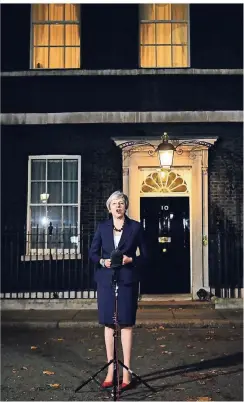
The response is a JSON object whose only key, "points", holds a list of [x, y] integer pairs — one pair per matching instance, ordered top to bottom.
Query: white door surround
{"points": [[191, 162]]}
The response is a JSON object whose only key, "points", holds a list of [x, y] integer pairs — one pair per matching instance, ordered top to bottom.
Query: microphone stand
{"points": [[115, 361]]}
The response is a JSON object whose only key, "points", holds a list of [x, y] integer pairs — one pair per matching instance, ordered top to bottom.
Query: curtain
{"points": [[56, 35], [163, 40]]}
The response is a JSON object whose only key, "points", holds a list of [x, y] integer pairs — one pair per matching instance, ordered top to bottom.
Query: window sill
{"points": [[48, 257]]}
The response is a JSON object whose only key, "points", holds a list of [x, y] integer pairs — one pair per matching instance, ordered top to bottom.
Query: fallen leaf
{"points": [[161, 327], [171, 333], [161, 337], [60, 339], [162, 346], [33, 347], [89, 350], [165, 352], [140, 357], [24, 368], [14, 371], [48, 372], [54, 385], [204, 398]]}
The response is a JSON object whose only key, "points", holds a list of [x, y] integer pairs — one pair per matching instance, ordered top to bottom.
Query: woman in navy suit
{"points": [[126, 235]]}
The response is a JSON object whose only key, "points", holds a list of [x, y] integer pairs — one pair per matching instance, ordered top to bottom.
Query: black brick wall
{"points": [[121, 93], [102, 164], [102, 174], [226, 211]]}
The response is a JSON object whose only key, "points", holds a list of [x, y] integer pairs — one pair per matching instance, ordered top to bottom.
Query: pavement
{"points": [[178, 315], [181, 364]]}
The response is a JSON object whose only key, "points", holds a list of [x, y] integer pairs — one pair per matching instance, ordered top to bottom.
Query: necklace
{"points": [[119, 230]]}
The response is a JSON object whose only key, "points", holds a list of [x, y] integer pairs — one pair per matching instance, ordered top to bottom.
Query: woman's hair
{"points": [[116, 196]]}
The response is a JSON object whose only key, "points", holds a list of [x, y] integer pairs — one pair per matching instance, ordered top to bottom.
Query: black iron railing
{"points": [[226, 263], [40, 264]]}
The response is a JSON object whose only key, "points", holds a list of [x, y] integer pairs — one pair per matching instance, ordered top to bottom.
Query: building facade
{"points": [[87, 93]]}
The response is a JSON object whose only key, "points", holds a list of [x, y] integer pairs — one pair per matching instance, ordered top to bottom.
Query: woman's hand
{"points": [[127, 260], [107, 263]]}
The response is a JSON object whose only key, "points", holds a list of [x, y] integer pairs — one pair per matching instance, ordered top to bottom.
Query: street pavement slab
{"points": [[171, 317], [180, 364]]}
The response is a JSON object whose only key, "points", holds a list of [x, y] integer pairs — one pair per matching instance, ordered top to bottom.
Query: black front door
{"points": [[167, 231]]}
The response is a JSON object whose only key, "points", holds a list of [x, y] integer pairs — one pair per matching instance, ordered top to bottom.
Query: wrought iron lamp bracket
{"points": [[195, 146], [131, 147]]}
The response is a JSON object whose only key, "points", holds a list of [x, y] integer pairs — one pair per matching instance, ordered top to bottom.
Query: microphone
{"points": [[116, 259]]}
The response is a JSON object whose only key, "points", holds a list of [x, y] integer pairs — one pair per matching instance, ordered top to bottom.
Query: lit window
{"points": [[164, 33], [55, 36], [53, 217]]}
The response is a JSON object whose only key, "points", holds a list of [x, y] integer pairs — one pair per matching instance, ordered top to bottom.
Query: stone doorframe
{"points": [[195, 158]]}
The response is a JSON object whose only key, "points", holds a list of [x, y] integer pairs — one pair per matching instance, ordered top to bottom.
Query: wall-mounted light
{"points": [[165, 152]]}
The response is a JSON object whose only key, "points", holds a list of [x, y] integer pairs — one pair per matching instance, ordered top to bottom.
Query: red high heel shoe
{"points": [[107, 384], [125, 385]]}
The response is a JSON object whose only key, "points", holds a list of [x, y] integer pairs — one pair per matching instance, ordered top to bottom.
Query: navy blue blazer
{"points": [[103, 244]]}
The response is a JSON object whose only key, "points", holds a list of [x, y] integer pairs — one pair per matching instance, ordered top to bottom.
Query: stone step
{"points": [[167, 304]]}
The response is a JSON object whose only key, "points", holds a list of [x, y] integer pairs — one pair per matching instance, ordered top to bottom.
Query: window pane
{"points": [[39, 12], [56, 12], [72, 12], [147, 12], [163, 12], [179, 12], [40, 33], [163, 33], [147, 34], [179, 34], [57, 35], [72, 35], [148, 54], [164, 56], [179, 56], [40, 57], [56, 57], [72, 57], [38, 169], [54, 169], [70, 169], [37, 188], [55, 192], [70, 193], [54, 215], [38, 216], [70, 216]]}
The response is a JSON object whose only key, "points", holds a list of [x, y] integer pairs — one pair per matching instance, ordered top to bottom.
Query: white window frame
{"points": [[168, 21], [32, 67], [65, 253]]}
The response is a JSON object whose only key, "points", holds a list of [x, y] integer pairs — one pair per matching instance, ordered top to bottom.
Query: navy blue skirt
{"points": [[127, 304]]}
